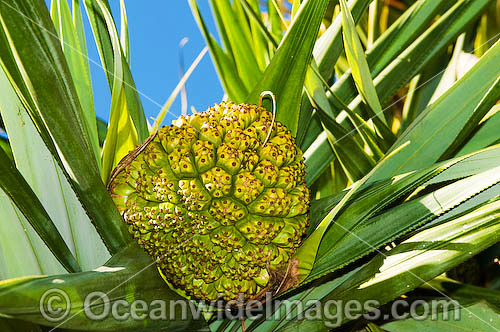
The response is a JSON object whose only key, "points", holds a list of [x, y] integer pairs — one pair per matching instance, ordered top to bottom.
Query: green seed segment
{"points": [[214, 206]]}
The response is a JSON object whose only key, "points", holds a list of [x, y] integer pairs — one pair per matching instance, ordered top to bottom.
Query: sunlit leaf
{"points": [[105, 34], [75, 50], [359, 65], [286, 73], [43, 84], [14, 185], [124, 282]]}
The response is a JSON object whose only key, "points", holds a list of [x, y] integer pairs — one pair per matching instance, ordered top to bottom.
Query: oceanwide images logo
{"points": [[55, 305], [56, 308]]}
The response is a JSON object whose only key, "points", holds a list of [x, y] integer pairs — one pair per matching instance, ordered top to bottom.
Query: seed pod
{"points": [[217, 205]]}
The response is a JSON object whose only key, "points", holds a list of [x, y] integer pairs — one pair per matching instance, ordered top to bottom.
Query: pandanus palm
{"points": [[392, 104]]}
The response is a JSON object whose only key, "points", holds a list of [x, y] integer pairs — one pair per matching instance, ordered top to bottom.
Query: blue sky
{"points": [[156, 27]]}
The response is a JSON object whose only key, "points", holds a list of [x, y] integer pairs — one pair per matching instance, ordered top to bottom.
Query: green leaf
{"points": [[295, 7], [275, 19], [373, 22], [244, 24], [257, 26], [408, 27], [80, 29], [105, 35], [124, 36], [102, 39], [238, 41], [226, 44], [428, 46], [74, 47], [328, 47], [415, 57], [358, 64], [286, 73], [449, 76], [310, 81], [44, 85], [233, 85], [420, 91], [487, 102], [410, 108], [314, 127], [102, 129], [435, 130], [486, 134], [121, 137], [368, 137], [5, 146], [350, 154], [317, 157], [354, 158], [353, 161], [476, 162], [41, 171], [331, 182], [18, 190], [322, 206], [353, 212], [16, 232], [364, 238], [22, 251], [311, 253], [306, 254], [424, 256], [129, 277], [454, 289], [287, 313], [478, 317], [15, 325], [373, 328]]}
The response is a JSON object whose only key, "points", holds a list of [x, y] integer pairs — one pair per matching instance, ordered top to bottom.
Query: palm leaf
{"points": [[70, 32], [105, 33], [285, 78], [45, 87], [436, 133], [41, 171], [32, 209], [426, 255], [128, 276]]}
